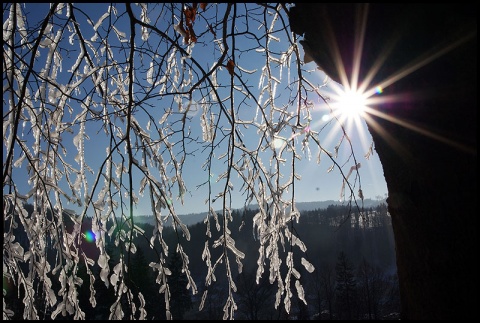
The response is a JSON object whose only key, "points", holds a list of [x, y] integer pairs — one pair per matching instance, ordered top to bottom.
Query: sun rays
{"points": [[357, 98], [359, 105]]}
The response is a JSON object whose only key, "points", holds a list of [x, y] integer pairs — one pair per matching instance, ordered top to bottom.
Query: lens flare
{"points": [[89, 236]]}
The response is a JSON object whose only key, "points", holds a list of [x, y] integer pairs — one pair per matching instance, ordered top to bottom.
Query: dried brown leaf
{"points": [[230, 67]]}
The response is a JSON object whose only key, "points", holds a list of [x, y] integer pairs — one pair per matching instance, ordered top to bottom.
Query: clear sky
{"points": [[316, 183]]}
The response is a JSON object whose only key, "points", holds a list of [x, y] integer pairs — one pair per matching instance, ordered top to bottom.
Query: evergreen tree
{"points": [[143, 281], [327, 283], [346, 287], [372, 287], [105, 295], [180, 301]]}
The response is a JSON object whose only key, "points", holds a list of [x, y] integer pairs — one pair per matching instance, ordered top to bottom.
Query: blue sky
{"points": [[316, 184]]}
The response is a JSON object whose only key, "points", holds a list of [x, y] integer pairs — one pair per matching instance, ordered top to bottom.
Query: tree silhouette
{"points": [[108, 106], [143, 282], [371, 284], [323, 285], [346, 288], [180, 298], [253, 298]]}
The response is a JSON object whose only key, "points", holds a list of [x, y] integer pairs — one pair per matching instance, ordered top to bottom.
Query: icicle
{"points": [[144, 18], [99, 22], [120, 34], [354, 167]]}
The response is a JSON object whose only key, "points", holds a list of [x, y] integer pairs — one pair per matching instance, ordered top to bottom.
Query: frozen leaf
{"points": [[179, 29], [150, 73], [102, 261], [308, 266], [114, 279], [300, 291], [60, 308]]}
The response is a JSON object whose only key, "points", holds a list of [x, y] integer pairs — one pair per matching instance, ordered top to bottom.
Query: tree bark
{"points": [[430, 160]]}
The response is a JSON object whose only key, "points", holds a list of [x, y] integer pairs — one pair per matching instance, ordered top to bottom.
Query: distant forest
{"points": [[353, 254]]}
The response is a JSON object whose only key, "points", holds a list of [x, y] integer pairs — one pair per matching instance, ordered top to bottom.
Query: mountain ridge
{"points": [[194, 218]]}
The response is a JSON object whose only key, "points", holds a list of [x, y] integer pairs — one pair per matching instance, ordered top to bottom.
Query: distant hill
{"points": [[194, 218]]}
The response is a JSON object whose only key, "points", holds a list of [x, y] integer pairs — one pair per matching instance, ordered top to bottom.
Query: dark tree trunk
{"points": [[431, 179]]}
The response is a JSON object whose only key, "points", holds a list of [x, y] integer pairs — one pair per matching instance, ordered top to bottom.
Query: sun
{"points": [[350, 104]]}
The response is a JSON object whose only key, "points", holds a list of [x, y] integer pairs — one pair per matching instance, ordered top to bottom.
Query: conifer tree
{"points": [[143, 282], [346, 287], [180, 301]]}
